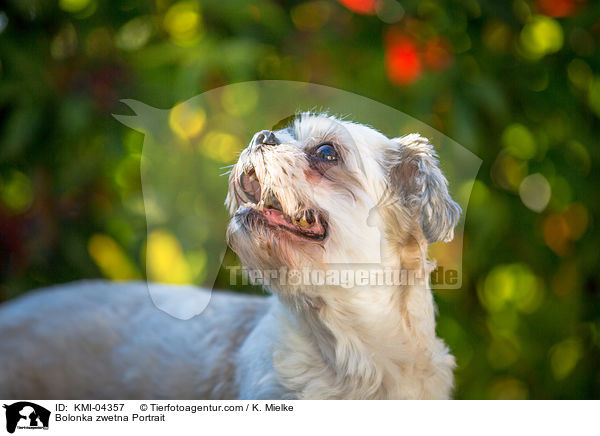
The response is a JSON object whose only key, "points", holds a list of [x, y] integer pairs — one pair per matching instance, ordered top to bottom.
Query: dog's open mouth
{"points": [[306, 223]]}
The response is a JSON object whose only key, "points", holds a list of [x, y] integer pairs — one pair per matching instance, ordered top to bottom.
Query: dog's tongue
{"points": [[277, 218]]}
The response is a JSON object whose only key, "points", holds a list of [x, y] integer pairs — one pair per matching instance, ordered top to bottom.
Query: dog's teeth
{"points": [[301, 220]]}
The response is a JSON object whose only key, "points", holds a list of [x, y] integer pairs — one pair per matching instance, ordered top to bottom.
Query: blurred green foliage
{"points": [[516, 82]]}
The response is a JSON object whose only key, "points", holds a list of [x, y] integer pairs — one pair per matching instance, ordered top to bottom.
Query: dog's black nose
{"points": [[267, 137]]}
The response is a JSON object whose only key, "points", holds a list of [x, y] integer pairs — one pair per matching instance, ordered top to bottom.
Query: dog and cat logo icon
{"points": [[26, 415]]}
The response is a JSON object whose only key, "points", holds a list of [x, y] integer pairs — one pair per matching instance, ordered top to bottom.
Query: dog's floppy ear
{"points": [[416, 181]]}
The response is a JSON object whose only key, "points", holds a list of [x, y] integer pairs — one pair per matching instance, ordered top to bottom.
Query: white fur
{"points": [[383, 203], [99, 339]]}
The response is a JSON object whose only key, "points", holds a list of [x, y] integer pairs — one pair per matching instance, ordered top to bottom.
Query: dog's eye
{"points": [[326, 152]]}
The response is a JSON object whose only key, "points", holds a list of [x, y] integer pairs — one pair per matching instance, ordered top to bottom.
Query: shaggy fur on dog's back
{"points": [[97, 339]]}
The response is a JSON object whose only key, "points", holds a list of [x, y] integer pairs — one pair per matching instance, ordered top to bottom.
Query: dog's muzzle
{"points": [[261, 207]]}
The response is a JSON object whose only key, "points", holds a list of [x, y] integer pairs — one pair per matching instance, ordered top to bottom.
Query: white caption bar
{"points": [[23, 417]]}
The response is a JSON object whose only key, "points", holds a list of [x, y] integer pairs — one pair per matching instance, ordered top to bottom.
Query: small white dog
{"points": [[321, 195]]}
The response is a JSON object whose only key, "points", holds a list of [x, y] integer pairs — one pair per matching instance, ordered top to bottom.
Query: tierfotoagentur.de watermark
{"points": [[344, 277]]}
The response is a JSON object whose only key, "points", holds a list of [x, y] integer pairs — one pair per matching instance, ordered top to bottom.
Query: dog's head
{"points": [[326, 191]]}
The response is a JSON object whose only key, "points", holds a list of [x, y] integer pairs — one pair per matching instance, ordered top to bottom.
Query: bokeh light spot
{"points": [[74, 5], [360, 6], [557, 8], [522, 10], [389, 11], [311, 16], [183, 22], [134, 34], [542, 35], [496, 36], [64, 43], [437, 53], [402, 61], [580, 73], [594, 95], [239, 100], [186, 120], [133, 141], [519, 141], [221, 146], [508, 172], [127, 173], [16, 191], [535, 192], [577, 219], [561, 229], [557, 233], [111, 259], [165, 260], [512, 284], [564, 357], [508, 388]]}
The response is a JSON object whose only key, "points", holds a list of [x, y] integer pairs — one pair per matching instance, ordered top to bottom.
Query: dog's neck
{"points": [[368, 342]]}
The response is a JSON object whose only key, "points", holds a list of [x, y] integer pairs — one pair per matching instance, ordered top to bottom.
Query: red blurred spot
{"points": [[360, 6], [558, 8], [437, 53], [402, 60]]}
